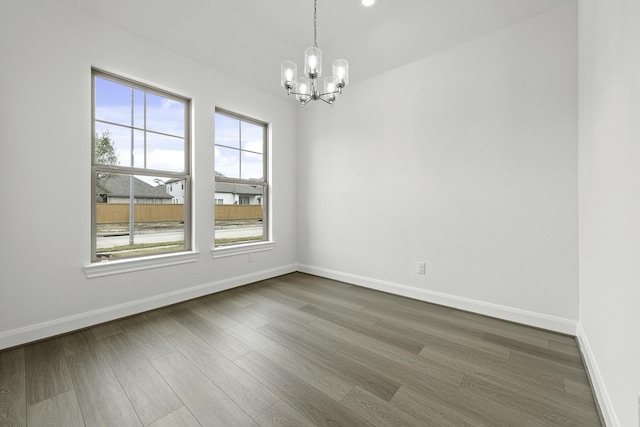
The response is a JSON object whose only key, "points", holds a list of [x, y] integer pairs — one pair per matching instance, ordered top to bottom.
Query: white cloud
{"points": [[168, 103], [255, 146], [170, 160], [226, 165]]}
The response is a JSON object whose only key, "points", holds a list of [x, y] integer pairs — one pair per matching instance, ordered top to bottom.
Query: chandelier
{"points": [[308, 88]]}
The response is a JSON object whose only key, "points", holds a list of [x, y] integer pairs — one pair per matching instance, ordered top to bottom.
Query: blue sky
{"points": [[165, 126], [239, 144], [239, 147]]}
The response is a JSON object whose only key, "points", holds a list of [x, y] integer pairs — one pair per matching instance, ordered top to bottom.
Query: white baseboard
{"points": [[539, 320], [55, 327], [604, 401]]}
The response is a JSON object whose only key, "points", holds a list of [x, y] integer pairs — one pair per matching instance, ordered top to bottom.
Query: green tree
{"points": [[105, 155]]}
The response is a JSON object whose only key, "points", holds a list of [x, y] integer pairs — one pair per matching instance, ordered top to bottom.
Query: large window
{"points": [[140, 170], [241, 179]]}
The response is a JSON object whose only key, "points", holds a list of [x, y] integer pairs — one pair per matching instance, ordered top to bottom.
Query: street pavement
{"points": [[172, 236]]}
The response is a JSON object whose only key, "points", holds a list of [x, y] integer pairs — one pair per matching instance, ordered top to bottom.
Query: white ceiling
{"points": [[248, 39]]}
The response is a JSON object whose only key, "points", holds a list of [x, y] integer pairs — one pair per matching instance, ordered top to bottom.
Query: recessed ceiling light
{"points": [[367, 3]]}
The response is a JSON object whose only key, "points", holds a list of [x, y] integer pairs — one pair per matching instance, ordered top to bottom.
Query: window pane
{"points": [[113, 102], [138, 109], [165, 115], [227, 131], [252, 137], [113, 145], [240, 149], [165, 152], [227, 162], [252, 166], [243, 219], [157, 226]]}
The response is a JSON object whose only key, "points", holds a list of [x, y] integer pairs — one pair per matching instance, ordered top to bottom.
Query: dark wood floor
{"points": [[299, 350]]}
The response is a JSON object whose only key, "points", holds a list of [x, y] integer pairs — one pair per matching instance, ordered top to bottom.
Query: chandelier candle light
{"points": [[308, 88]]}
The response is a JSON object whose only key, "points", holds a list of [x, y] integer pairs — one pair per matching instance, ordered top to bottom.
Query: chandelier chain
{"points": [[315, 23]]}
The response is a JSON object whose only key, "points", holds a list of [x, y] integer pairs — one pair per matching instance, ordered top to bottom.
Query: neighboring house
{"points": [[175, 187], [115, 189], [228, 193]]}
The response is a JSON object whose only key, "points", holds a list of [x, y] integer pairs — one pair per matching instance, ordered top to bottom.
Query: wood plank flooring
{"points": [[299, 350]]}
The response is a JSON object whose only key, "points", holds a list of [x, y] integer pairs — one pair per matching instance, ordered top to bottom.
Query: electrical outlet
{"points": [[250, 258], [421, 268]]}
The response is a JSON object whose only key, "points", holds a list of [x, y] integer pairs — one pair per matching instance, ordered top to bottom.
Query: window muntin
{"points": [[140, 142], [241, 198]]}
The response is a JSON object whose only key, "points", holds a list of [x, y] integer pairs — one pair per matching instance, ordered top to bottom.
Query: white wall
{"points": [[47, 53], [478, 144], [227, 198], [610, 202]]}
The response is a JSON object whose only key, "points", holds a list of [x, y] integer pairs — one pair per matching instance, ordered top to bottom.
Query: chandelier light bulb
{"points": [[313, 62], [341, 72], [288, 74], [329, 84], [330, 90], [303, 94]]}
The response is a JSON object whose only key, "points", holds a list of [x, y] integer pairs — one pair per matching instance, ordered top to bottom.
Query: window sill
{"points": [[246, 248], [107, 268]]}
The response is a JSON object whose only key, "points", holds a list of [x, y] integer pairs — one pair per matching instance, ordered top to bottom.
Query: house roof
{"points": [[118, 186], [235, 188]]}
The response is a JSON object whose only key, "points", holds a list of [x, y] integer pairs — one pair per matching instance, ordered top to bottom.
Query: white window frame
{"points": [[267, 243], [97, 268]]}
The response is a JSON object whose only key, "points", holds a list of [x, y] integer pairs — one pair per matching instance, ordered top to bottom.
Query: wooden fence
{"points": [[239, 212], [109, 213]]}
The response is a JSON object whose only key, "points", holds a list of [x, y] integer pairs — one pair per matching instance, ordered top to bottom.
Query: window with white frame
{"points": [[140, 142], [241, 187]]}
